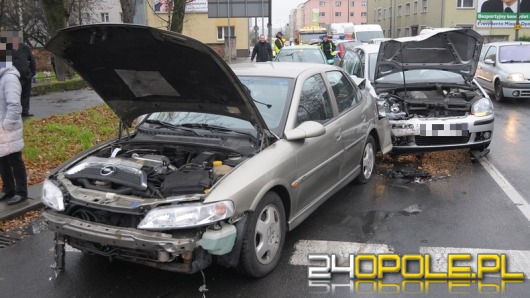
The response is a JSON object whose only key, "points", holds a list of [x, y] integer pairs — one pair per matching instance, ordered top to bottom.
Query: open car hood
{"points": [[454, 50], [139, 70]]}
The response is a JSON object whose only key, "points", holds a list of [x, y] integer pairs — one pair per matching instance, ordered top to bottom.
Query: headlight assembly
{"points": [[516, 77], [483, 107], [52, 196], [185, 216]]}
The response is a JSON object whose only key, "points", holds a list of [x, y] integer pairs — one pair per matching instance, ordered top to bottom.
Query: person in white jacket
{"points": [[12, 168]]}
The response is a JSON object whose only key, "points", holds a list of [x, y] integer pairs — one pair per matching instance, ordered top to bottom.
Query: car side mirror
{"points": [[489, 61], [308, 129]]}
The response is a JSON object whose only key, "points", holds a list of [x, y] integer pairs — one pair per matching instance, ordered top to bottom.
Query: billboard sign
{"points": [[238, 9], [502, 13]]}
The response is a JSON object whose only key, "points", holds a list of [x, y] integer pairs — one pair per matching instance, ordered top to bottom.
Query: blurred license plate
{"points": [[444, 130]]}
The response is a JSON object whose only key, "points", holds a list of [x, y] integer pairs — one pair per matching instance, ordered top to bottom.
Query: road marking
{"points": [[508, 189], [342, 249], [517, 260]]}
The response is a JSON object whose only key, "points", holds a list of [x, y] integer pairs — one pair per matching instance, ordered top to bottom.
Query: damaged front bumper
{"points": [[422, 134], [155, 249]]}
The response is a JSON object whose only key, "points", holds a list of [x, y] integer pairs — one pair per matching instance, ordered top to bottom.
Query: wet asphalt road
{"points": [[461, 207]]}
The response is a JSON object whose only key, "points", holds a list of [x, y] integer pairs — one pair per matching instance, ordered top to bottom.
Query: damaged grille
{"points": [[432, 141], [6, 240]]}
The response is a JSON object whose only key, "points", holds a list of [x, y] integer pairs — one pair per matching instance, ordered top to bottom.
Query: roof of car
{"points": [[504, 43], [315, 46], [369, 48], [276, 69]]}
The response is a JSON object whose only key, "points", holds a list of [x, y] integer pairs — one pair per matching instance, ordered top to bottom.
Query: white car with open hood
{"points": [[426, 89], [224, 161]]}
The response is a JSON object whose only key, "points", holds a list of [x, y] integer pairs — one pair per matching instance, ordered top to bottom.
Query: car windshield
{"points": [[365, 36], [309, 37], [515, 53], [301, 55], [428, 76], [272, 97]]}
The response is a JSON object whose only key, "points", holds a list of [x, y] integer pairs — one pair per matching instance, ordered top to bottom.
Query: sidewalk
{"points": [[43, 106]]}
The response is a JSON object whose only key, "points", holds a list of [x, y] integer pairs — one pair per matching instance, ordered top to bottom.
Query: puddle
{"points": [[370, 222]]}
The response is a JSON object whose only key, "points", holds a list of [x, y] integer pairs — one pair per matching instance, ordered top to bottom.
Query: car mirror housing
{"points": [[489, 61], [308, 129]]}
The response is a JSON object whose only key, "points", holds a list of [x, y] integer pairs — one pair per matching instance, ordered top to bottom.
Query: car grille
{"points": [[525, 92], [433, 141]]}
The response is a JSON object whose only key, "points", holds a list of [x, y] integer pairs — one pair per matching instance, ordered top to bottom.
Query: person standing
{"points": [[278, 43], [328, 47], [262, 50], [24, 61], [12, 168]]}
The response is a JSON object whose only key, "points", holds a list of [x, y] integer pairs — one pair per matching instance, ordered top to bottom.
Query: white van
{"points": [[364, 33]]}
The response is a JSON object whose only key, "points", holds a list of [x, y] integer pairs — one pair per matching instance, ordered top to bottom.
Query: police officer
{"points": [[278, 43], [328, 47]]}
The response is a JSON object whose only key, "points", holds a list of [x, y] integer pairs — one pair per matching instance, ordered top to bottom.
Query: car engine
{"points": [[430, 103], [152, 173]]}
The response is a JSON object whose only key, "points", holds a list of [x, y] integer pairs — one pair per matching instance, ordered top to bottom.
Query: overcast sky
{"points": [[281, 10]]}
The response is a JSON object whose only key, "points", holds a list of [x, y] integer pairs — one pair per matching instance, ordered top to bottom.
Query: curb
{"points": [[32, 203]]}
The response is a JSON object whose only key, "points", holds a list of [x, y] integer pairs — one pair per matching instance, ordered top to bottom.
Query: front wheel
{"points": [[499, 94], [367, 162], [264, 238]]}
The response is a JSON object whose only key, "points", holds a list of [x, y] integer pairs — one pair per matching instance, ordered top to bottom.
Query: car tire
{"points": [[499, 95], [367, 161], [264, 238]]}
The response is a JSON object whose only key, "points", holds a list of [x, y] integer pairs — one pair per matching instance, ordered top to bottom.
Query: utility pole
{"points": [[517, 25]]}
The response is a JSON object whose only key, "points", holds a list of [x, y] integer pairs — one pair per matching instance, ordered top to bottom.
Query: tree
{"points": [[127, 9], [175, 12], [25, 16]]}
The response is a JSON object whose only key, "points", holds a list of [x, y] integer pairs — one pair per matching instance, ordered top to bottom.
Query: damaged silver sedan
{"points": [[221, 161]]}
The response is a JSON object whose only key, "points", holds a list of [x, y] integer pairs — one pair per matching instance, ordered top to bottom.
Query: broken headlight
{"points": [[52, 196], [186, 216]]}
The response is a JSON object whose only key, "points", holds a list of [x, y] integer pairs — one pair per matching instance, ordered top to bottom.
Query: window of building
{"points": [[322, 3], [338, 3], [352, 3], [364, 3], [464, 3], [424, 6], [415, 7], [407, 9], [399, 11], [384, 13], [322, 14], [338, 14], [352, 14], [364, 14], [375, 14], [379, 14], [390, 15], [105, 17], [407, 31], [222, 32], [398, 32]]}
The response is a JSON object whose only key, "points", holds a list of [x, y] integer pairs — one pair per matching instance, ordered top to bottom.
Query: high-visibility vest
{"points": [[275, 47]]}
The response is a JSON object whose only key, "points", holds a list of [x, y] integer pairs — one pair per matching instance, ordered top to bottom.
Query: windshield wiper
{"points": [[171, 126], [215, 128]]}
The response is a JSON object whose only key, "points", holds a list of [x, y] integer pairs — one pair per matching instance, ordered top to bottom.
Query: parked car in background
{"points": [[377, 40], [344, 45], [302, 53], [504, 68], [425, 87], [225, 161]]}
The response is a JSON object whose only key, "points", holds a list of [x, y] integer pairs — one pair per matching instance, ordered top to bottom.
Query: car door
{"points": [[351, 63], [486, 72], [351, 120], [319, 158]]}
